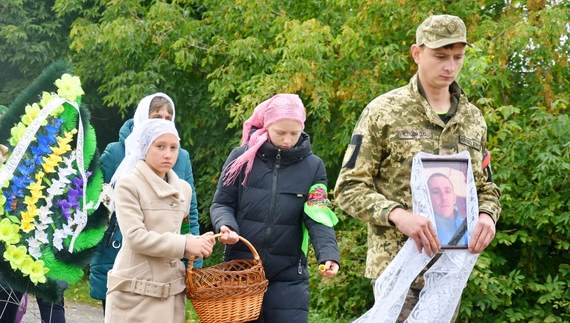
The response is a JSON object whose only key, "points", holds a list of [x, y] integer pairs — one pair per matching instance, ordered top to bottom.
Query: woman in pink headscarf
{"points": [[273, 193]]}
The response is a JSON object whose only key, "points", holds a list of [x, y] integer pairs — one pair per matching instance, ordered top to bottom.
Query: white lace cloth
{"points": [[445, 280]]}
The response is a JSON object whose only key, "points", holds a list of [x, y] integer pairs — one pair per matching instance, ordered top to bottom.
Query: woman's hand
{"points": [[228, 235], [200, 247], [329, 268]]}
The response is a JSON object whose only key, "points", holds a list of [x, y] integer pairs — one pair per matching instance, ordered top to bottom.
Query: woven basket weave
{"points": [[231, 292]]}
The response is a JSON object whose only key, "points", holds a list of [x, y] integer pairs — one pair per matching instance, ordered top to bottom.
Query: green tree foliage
{"points": [[31, 38], [219, 58]]}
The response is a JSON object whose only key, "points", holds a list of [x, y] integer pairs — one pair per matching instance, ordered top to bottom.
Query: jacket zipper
{"points": [[272, 206]]}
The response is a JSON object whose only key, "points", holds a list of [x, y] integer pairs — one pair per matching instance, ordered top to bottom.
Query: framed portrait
{"points": [[448, 192]]}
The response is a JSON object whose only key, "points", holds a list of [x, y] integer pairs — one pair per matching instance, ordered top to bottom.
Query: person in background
{"points": [[155, 106], [430, 114], [273, 193], [146, 283]]}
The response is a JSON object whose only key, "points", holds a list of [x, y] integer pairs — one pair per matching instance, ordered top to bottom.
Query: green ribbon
{"points": [[317, 208]]}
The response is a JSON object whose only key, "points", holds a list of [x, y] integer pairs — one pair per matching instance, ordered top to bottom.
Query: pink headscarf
{"points": [[280, 107]]}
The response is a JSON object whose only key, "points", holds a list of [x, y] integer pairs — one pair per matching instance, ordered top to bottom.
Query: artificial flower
{"points": [[69, 87], [46, 98], [32, 112], [17, 134], [50, 163], [36, 189], [31, 212], [27, 226], [9, 232], [41, 236], [34, 247], [15, 255], [37, 271]]}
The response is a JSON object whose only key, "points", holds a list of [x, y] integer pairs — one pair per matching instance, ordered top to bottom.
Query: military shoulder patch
{"points": [[352, 151]]}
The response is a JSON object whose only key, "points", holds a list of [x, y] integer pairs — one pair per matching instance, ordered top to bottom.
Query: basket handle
{"points": [[256, 258]]}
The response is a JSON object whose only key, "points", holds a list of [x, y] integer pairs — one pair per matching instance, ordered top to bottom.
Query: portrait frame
{"points": [[453, 217]]}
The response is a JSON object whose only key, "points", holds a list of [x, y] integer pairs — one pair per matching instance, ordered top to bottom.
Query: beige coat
{"points": [[146, 283]]}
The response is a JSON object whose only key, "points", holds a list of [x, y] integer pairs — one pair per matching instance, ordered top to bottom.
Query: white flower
{"points": [[64, 172], [56, 188], [41, 226], [67, 230], [41, 236], [58, 237], [58, 243], [34, 247], [35, 252]]}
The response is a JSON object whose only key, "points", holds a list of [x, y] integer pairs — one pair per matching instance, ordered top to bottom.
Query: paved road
{"points": [[74, 313]]}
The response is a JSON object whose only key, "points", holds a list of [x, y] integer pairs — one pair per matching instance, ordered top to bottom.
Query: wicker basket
{"points": [[231, 292]]}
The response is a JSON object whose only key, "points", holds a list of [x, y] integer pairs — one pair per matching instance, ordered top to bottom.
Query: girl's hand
{"points": [[228, 235], [200, 247], [329, 268]]}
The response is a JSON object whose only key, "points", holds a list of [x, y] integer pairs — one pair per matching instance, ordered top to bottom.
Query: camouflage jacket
{"points": [[375, 176]]}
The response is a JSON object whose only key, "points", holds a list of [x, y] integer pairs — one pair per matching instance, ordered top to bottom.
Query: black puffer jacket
{"points": [[268, 212]]}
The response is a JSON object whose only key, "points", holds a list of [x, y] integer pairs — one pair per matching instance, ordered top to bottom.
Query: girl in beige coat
{"points": [[146, 283]]}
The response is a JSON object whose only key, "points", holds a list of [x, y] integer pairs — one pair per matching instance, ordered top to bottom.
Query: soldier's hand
{"points": [[418, 228], [483, 233]]}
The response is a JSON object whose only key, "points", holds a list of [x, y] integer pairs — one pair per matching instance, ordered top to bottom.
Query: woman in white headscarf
{"points": [[146, 283]]}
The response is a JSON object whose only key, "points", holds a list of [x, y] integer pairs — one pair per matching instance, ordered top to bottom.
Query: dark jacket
{"points": [[268, 212], [108, 248]]}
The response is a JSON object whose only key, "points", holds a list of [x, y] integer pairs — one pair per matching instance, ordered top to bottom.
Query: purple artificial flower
{"points": [[78, 182], [65, 207]]}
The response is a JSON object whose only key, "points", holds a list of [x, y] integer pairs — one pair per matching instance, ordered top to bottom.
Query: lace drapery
{"points": [[445, 280]]}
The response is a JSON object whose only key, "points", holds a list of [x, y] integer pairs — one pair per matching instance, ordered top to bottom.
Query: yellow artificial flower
{"points": [[69, 87], [46, 98], [32, 112], [17, 133], [63, 143], [50, 163], [39, 176], [36, 189], [31, 199], [31, 212], [26, 225], [9, 232], [16, 256], [36, 270]]}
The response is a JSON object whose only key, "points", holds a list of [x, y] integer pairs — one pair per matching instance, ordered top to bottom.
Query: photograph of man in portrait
{"points": [[446, 181]]}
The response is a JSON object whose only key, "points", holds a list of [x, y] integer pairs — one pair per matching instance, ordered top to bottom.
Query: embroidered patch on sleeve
{"points": [[475, 144], [352, 151]]}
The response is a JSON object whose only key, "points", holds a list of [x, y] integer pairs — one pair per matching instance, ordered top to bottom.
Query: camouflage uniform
{"points": [[375, 177]]}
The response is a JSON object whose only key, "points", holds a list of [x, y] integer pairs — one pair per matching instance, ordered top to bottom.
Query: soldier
{"points": [[430, 114]]}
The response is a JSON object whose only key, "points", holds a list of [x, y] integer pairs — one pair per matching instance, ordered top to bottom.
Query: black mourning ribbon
{"points": [[458, 234]]}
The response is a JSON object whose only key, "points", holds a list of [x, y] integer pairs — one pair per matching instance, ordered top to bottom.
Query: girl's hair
{"points": [[159, 102], [149, 104]]}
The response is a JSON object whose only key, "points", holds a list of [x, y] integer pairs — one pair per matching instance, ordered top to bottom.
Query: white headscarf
{"points": [[142, 112], [139, 141]]}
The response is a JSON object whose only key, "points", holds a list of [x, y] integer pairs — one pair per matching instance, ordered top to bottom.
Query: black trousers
{"points": [[9, 304]]}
